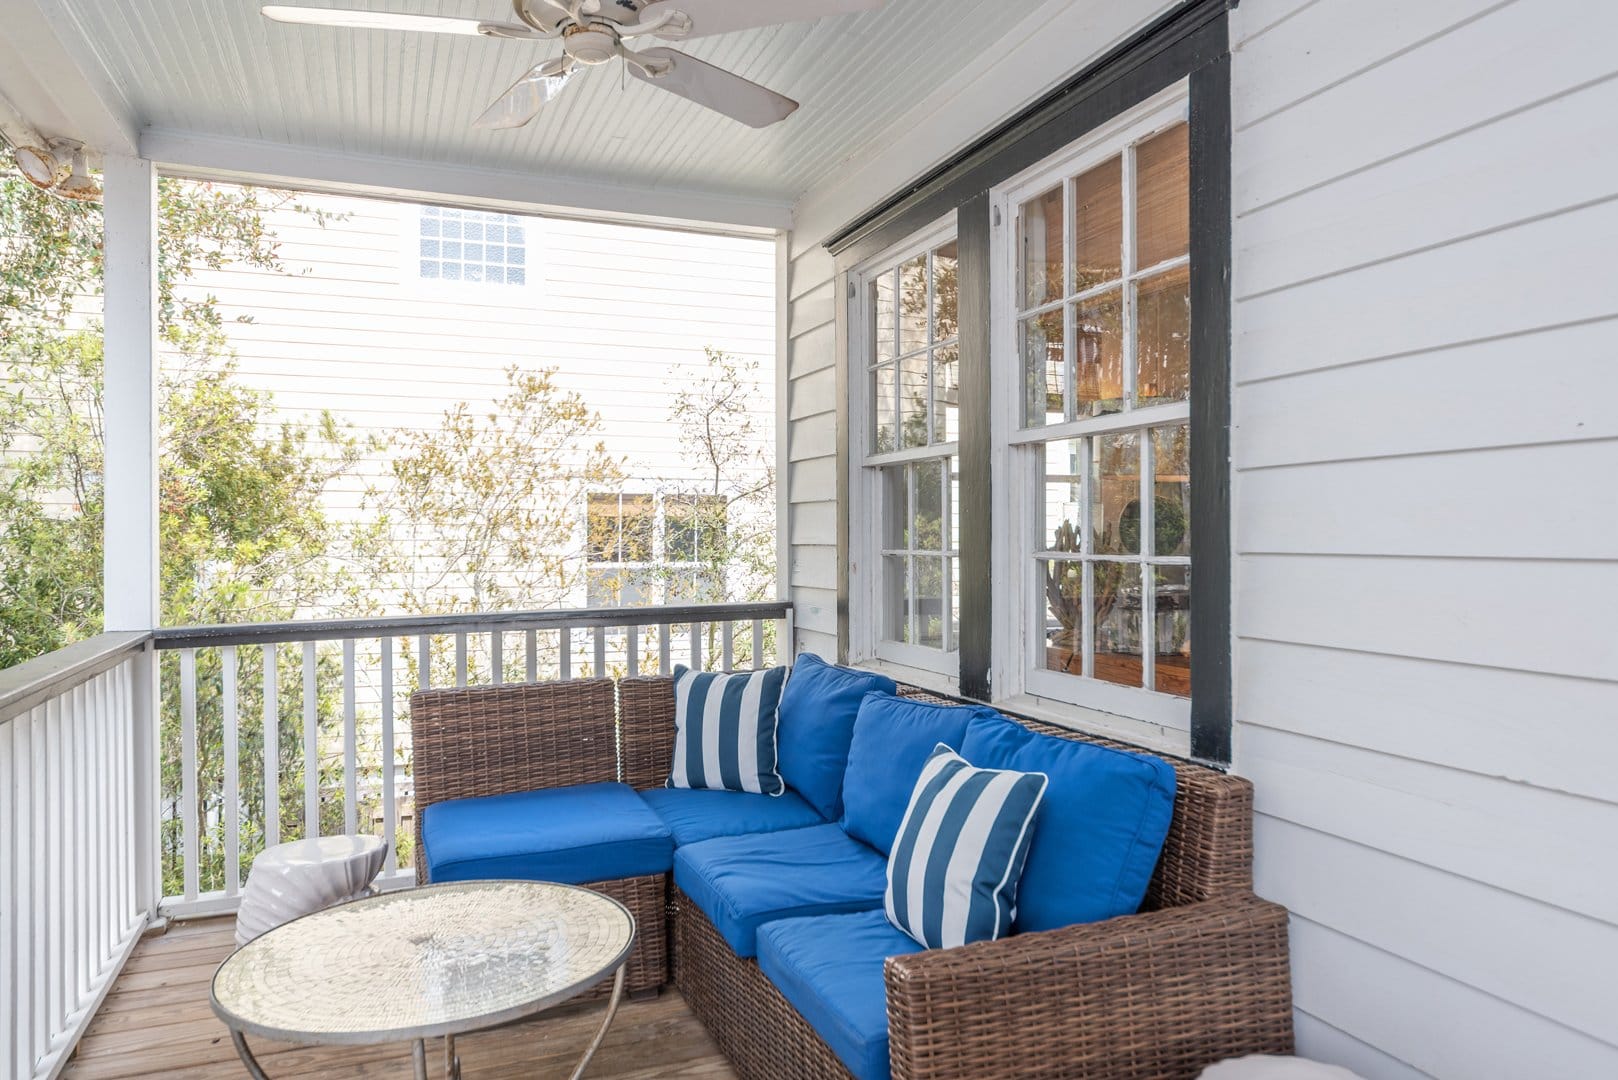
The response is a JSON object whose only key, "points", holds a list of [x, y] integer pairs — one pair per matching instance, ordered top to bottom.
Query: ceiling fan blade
{"points": [[710, 17], [378, 20], [715, 88], [520, 104]]}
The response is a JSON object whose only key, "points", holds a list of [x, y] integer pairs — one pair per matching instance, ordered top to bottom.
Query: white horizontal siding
{"points": [[1423, 446]]}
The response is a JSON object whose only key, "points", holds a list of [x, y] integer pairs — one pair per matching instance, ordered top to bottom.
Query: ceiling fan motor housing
{"points": [[590, 44]]}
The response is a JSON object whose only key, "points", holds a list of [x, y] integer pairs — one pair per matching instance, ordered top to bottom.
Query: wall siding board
{"points": [[1422, 439]]}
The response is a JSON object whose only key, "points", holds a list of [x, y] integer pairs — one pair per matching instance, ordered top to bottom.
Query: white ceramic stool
{"points": [[294, 879], [1260, 1067]]}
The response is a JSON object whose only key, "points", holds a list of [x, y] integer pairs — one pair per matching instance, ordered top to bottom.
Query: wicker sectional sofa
{"points": [[1199, 975]]}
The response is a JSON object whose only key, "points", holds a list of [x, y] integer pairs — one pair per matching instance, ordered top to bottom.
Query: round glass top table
{"points": [[436, 961]]}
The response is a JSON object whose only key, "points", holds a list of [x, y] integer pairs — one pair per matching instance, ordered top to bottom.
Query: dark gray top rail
{"points": [[195, 637], [34, 682]]}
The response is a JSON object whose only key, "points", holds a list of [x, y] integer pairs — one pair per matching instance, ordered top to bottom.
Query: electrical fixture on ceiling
{"points": [[593, 32], [60, 167]]}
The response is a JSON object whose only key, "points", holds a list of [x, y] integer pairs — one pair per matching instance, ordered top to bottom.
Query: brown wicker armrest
{"points": [[495, 740], [1150, 996]]}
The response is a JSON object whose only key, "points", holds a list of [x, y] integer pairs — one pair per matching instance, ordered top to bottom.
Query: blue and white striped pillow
{"points": [[725, 730], [953, 871]]}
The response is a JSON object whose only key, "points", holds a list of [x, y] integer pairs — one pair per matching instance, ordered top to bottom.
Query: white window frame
{"points": [[491, 292], [659, 564], [1020, 620], [866, 641]]}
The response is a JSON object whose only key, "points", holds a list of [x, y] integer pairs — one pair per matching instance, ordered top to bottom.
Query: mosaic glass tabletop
{"points": [[432, 961]]}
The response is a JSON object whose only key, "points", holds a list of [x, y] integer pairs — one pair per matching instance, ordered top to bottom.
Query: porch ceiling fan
{"points": [[594, 32]]}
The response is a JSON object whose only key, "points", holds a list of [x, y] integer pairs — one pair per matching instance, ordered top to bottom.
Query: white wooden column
{"points": [[130, 559]]}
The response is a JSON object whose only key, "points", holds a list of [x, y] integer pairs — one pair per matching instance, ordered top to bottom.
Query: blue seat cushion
{"points": [[817, 714], [893, 738], [693, 814], [1099, 832], [574, 835], [743, 882], [830, 968]]}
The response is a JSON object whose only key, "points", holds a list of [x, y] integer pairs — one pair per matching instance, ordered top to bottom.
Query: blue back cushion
{"points": [[817, 724], [725, 730], [893, 738], [1099, 832], [952, 877]]}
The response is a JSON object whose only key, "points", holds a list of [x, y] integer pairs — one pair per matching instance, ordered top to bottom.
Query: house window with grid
{"points": [[473, 246], [1098, 439], [906, 477], [645, 550]]}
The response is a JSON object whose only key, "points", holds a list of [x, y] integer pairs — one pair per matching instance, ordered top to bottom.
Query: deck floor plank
{"points": [[157, 1022]]}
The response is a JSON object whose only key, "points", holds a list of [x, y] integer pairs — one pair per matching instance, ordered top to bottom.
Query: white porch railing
{"points": [[302, 729], [77, 862]]}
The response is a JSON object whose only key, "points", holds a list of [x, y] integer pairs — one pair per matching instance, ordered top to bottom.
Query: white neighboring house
{"points": [[389, 313]]}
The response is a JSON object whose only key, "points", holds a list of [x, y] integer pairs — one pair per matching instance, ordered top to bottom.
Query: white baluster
{"points": [[232, 749]]}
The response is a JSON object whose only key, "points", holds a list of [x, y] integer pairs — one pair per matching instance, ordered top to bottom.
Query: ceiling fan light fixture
{"points": [[590, 44]]}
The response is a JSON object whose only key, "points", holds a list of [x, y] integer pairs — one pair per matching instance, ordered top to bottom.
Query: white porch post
{"points": [[130, 557]]}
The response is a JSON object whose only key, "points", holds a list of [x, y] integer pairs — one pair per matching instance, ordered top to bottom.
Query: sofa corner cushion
{"points": [[817, 714], [725, 730], [893, 738], [694, 815], [1100, 831], [574, 835], [743, 882], [829, 968]]}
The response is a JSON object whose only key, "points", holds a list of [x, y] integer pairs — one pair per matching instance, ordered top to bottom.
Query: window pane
{"points": [[1162, 197], [1098, 225], [1040, 248], [946, 292], [913, 304], [886, 330], [1163, 338], [1098, 354], [1042, 365], [884, 392], [946, 395], [913, 396], [1171, 446], [1064, 464], [930, 478], [1115, 495], [895, 507], [639, 521], [601, 528], [896, 598], [930, 612], [1064, 616], [1117, 622], [1171, 628]]}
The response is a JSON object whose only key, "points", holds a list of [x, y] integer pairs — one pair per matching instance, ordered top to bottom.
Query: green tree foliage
{"points": [[243, 532]]}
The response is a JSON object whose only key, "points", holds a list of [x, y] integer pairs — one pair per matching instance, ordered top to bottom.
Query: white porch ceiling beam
{"points": [[57, 89], [247, 160]]}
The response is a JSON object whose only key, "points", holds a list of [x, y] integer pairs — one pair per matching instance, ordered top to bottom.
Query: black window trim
{"points": [[1191, 42]]}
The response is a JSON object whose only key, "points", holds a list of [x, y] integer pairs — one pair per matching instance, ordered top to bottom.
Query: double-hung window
{"points": [[1093, 384], [906, 402]]}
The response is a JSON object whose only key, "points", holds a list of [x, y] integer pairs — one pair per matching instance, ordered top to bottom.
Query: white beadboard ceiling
{"points": [[217, 68]]}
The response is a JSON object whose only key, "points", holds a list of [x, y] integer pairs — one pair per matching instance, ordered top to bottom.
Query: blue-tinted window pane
{"points": [[431, 211], [451, 212], [429, 228], [452, 229], [472, 230], [514, 234], [429, 249], [452, 249], [472, 252], [494, 253], [517, 256], [429, 268], [452, 271], [472, 272], [494, 274], [516, 275]]}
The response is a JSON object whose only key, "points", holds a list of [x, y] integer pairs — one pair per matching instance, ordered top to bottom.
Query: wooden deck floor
{"points": [[156, 1021]]}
